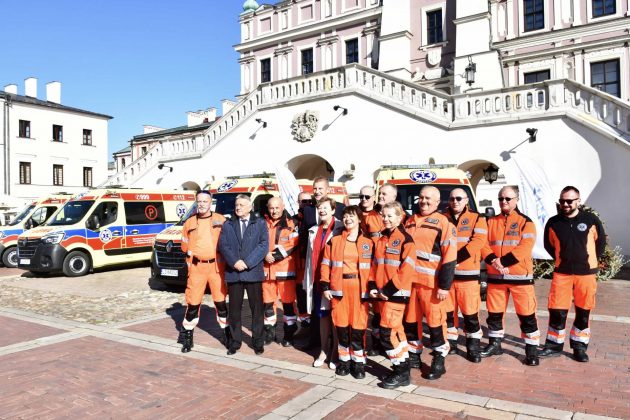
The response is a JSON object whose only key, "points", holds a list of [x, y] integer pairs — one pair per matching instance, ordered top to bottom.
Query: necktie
{"points": [[243, 227]]}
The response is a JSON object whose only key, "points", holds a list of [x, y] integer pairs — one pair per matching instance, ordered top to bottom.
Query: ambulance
{"points": [[409, 179], [34, 214], [100, 228], [168, 262]]}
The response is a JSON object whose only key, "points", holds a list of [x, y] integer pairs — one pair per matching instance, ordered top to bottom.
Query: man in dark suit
{"points": [[243, 244]]}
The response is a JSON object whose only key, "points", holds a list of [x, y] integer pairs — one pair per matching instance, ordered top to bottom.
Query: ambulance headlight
{"points": [[53, 238]]}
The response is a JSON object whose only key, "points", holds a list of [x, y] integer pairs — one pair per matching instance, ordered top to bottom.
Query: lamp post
{"points": [[469, 71], [491, 173]]}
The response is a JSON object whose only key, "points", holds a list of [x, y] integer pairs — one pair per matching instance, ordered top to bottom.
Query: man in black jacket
{"points": [[576, 240]]}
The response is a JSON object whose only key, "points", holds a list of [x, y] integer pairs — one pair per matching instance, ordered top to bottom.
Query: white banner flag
{"points": [[289, 189], [537, 199]]}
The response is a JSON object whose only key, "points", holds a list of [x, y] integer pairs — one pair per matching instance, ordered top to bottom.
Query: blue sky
{"points": [[140, 61]]}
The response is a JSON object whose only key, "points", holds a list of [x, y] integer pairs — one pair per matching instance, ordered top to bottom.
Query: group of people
{"points": [[331, 266]]}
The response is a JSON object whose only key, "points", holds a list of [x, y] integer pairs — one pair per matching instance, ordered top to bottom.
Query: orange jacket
{"points": [[372, 224], [191, 234], [472, 235], [511, 238], [283, 242], [436, 249], [332, 264], [393, 269]]}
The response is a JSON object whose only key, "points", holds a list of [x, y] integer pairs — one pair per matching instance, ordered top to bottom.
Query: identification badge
{"points": [[392, 251]]}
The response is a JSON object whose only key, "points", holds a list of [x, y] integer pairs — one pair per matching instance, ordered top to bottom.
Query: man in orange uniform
{"points": [[472, 233], [200, 236], [576, 240], [436, 252], [508, 253], [280, 271], [345, 272], [392, 273]]}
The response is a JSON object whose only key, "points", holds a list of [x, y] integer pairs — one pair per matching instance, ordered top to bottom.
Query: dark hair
{"points": [[569, 188], [203, 192], [326, 199], [353, 210]]}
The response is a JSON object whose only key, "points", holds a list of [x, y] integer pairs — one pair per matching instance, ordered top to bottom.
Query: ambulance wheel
{"points": [[10, 258], [76, 264]]}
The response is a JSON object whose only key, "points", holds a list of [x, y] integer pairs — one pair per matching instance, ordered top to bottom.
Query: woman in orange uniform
{"points": [[345, 272], [391, 276]]}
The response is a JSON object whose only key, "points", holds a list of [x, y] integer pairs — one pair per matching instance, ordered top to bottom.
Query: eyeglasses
{"points": [[365, 197], [456, 198], [508, 199], [568, 201], [306, 202]]}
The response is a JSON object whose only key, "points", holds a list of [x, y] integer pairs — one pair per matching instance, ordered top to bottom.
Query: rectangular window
{"points": [[604, 8], [533, 15], [434, 27], [352, 51], [307, 61], [265, 70], [536, 76], [605, 77], [25, 129], [57, 133], [87, 137], [143, 150], [25, 172], [57, 174], [87, 176], [142, 213]]}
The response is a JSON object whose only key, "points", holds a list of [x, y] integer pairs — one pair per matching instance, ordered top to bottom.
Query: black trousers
{"points": [[236, 292]]}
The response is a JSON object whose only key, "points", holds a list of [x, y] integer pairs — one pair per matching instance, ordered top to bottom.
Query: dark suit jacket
{"points": [[252, 249]]}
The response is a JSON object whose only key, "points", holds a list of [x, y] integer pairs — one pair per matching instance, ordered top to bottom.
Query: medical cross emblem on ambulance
{"points": [[422, 176], [227, 186], [180, 210], [105, 235]]}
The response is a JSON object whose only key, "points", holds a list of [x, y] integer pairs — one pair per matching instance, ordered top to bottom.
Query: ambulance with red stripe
{"points": [[411, 178], [34, 214], [100, 228], [168, 261]]}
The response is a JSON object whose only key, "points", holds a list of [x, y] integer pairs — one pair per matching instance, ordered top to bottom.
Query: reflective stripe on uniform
{"points": [[480, 230], [294, 235], [375, 235], [528, 235], [463, 239], [449, 242], [508, 243], [282, 250], [428, 256], [325, 261], [391, 262], [337, 264], [364, 266], [424, 270], [467, 272], [285, 274], [510, 276], [402, 292], [338, 293], [496, 334], [556, 336], [583, 336], [533, 339]]}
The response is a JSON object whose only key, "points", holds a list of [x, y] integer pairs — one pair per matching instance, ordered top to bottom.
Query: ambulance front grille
{"points": [[26, 248], [173, 259]]}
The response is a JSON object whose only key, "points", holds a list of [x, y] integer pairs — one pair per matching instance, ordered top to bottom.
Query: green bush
{"points": [[609, 265]]}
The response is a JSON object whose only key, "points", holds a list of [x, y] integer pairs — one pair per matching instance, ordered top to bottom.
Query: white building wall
{"points": [[43, 153]]}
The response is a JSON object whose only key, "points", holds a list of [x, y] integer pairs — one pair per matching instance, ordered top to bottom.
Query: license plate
{"points": [[25, 261], [169, 273]]}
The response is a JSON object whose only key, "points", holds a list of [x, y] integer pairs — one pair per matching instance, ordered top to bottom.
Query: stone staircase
{"points": [[563, 97]]}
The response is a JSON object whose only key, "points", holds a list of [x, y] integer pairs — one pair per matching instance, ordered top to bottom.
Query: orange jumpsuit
{"points": [[372, 225], [472, 234], [200, 236], [511, 238], [576, 244], [436, 256], [345, 271], [392, 273], [280, 276]]}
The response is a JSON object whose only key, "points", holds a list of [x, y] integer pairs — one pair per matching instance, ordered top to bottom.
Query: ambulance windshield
{"points": [[408, 196], [224, 203], [71, 213], [22, 215]]}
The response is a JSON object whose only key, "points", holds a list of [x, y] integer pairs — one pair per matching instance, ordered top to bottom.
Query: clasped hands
{"points": [[496, 263], [240, 265]]}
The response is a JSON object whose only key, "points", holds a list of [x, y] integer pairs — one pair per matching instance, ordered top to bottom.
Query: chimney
{"points": [[30, 87], [11, 89], [53, 92], [227, 105], [199, 117], [146, 129]]}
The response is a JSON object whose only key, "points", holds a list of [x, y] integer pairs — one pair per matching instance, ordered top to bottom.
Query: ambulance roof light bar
{"points": [[427, 166], [263, 175]]}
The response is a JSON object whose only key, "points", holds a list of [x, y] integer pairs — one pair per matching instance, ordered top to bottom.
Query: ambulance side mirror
{"points": [[489, 212], [93, 222]]}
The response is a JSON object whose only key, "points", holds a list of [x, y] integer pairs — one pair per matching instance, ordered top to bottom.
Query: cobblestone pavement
{"points": [[105, 345]]}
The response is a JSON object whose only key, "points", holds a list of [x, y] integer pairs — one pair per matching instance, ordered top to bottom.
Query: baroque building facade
{"points": [[341, 87]]}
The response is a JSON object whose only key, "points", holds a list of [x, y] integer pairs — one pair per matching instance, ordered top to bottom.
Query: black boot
{"points": [[289, 332], [270, 334], [227, 337], [188, 341], [453, 345], [376, 348], [493, 348], [472, 350], [549, 351], [579, 354], [531, 355], [414, 360], [437, 367], [343, 368], [357, 370], [399, 377]]}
